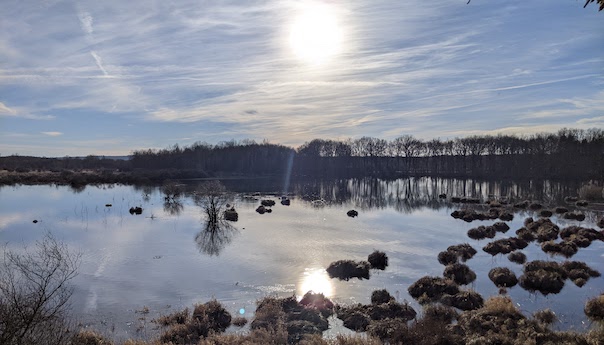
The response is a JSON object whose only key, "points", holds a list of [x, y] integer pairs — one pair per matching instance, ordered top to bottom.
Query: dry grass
{"points": [[591, 192], [500, 305], [177, 317], [88, 337]]}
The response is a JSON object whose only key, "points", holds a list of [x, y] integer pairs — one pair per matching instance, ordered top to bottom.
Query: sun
{"points": [[316, 35], [315, 280]]}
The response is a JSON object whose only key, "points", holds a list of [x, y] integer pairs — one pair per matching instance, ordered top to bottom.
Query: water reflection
{"points": [[408, 194], [173, 207], [215, 236], [316, 280]]}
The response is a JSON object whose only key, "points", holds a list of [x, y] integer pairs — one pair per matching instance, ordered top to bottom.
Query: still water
{"points": [[164, 259]]}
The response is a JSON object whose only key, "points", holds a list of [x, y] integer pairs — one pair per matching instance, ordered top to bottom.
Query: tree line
{"points": [[568, 153]]}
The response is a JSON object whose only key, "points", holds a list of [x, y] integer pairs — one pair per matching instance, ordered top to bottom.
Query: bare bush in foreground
{"points": [[35, 292]]}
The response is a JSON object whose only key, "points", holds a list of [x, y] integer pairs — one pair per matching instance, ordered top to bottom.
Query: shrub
{"points": [[591, 192]]}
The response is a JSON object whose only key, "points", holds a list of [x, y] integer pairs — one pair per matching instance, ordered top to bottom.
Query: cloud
{"points": [[86, 22], [99, 62], [225, 70], [4, 110], [18, 113], [52, 134]]}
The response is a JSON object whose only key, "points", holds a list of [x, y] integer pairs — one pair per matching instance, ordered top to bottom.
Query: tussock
{"points": [[545, 213], [481, 232], [505, 246], [517, 257], [378, 260], [346, 269], [460, 273], [503, 277], [546, 277], [431, 289], [464, 300], [594, 309]]}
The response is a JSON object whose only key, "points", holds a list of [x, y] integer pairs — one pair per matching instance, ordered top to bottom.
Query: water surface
{"points": [[165, 260]]}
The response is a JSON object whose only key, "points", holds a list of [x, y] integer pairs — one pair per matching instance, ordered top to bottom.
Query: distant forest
{"points": [[567, 154]]}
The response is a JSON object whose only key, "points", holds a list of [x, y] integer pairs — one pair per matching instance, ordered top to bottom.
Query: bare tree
{"points": [[212, 197], [35, 292]]}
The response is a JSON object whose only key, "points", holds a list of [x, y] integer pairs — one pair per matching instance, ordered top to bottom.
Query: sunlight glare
{"points": [[315, 34], [317, 281]]}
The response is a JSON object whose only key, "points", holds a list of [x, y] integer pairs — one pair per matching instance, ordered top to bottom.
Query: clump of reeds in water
{"points": [[352, 213], [231, 214], [505, 246], [455, 253], [517, 257], [378, 260], [347, 269], [579, 272], [460, 273], [503, 277], [546, 277], [430, 289], [383, 308], [295, 320], [185, 328]]}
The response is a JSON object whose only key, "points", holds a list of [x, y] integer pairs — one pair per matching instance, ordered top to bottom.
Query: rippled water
{"points": [[164, 260]]}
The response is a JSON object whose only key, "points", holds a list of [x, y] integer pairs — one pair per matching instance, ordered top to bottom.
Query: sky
{"points": [[109, 77]]}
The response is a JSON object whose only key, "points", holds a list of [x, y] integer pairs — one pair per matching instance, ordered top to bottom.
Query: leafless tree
{"points": [[212, 197], [34, 293]]}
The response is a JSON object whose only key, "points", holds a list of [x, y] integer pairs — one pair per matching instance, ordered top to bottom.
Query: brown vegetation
{"points": [[482, 232], [505, 246], [463, 252], [517, 257], [378, 260], [346, 269], [460, 273], [503, 277], [546, 277], [431, 289], [594, 309]]}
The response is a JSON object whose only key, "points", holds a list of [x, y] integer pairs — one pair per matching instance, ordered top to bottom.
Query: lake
{"points": [[164, 260]]}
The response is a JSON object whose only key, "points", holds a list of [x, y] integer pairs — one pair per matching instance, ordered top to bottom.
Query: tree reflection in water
{"points": [[173, 207], [215, 236]]}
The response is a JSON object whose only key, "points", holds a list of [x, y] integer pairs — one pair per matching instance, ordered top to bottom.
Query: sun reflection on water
{"points": [[316, 280]]}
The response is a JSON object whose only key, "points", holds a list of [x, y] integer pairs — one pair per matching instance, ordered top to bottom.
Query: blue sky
{"points": [[107, 77]]}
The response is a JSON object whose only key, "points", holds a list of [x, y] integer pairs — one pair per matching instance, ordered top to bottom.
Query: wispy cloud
{"points": [[86, 22], [99, 62], [216, 71], [20, 113], [52, 134]]}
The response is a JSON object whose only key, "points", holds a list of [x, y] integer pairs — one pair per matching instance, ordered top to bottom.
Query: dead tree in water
{"points": [[212, 197]]}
